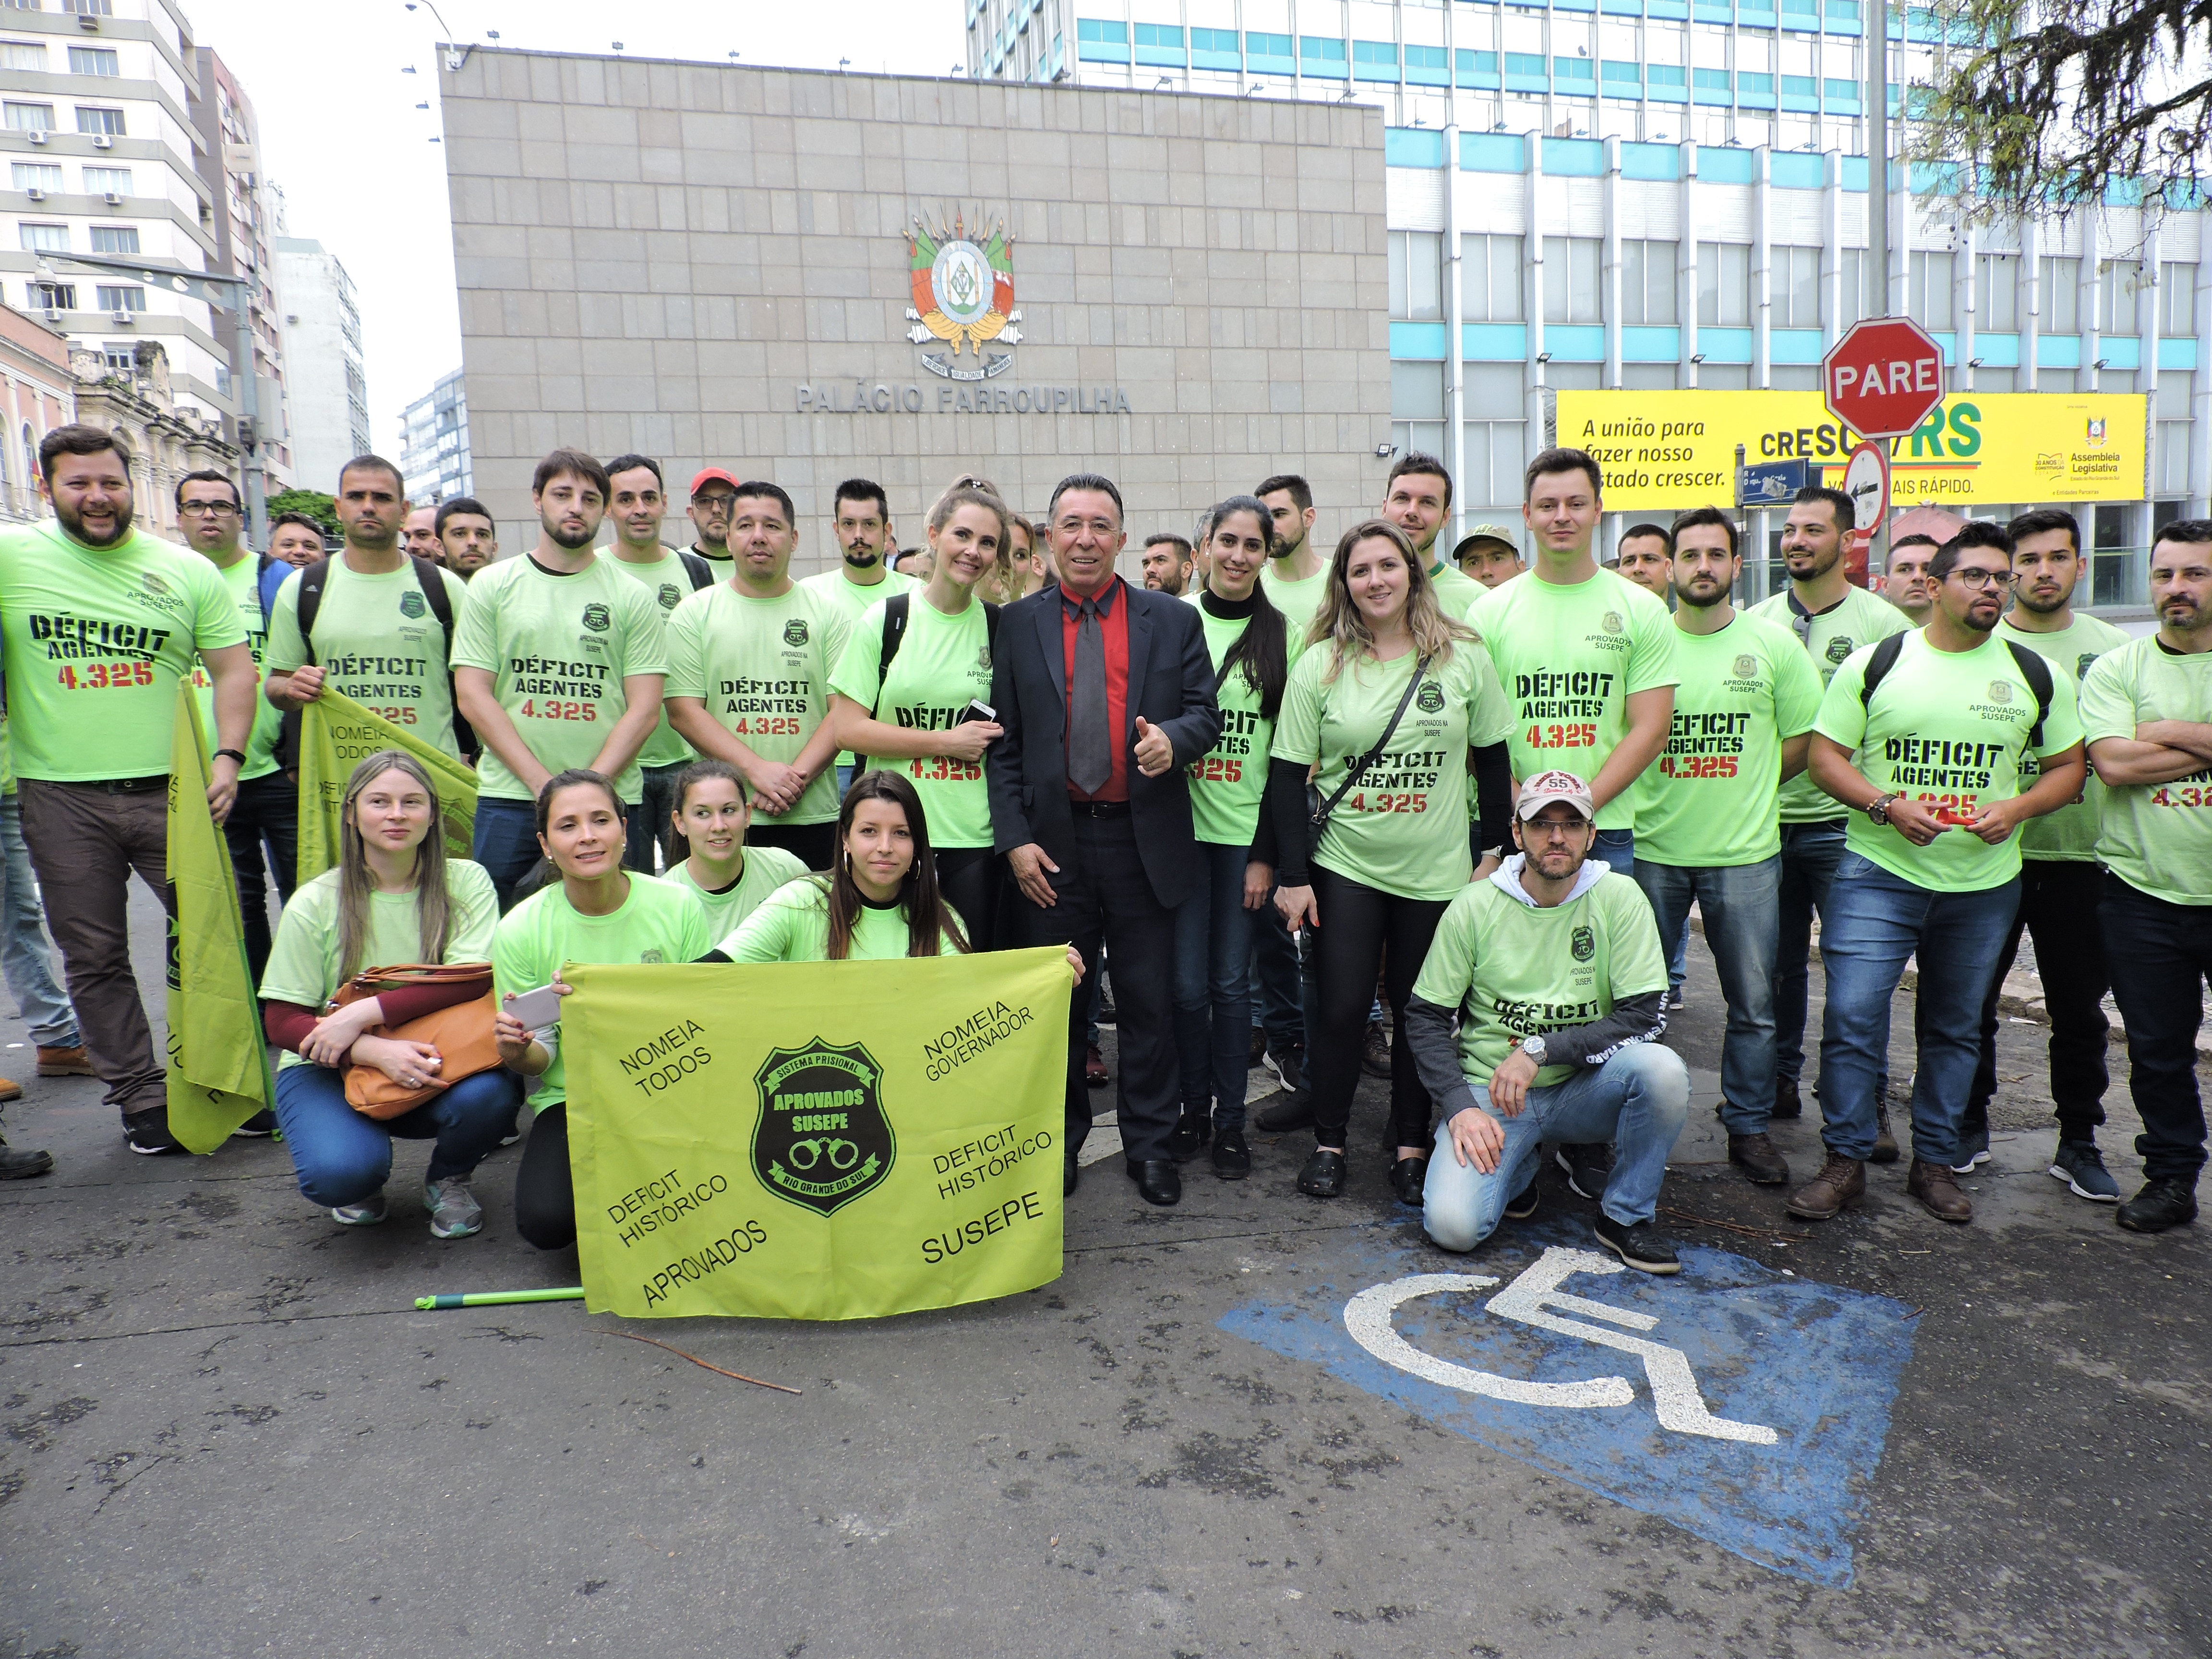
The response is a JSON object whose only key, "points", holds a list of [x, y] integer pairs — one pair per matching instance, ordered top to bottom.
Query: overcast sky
{"points": [[340, 132]]}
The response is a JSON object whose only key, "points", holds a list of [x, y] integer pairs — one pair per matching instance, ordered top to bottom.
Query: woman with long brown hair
{"points": [[1392, 697], [394, 897]]}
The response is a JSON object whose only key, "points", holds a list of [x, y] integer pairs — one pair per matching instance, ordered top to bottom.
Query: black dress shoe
{"points": [[1787, 1102], [1290, 1113], [1192, 1132], [1232, 1158], [1073, 1174], [1324, 1175], [1409, 1175], [1158, 1180], [2163, 1203]]}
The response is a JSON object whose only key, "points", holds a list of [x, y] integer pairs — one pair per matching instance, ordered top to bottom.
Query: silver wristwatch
{"points": [[1878, 809], [1534, 1048]]}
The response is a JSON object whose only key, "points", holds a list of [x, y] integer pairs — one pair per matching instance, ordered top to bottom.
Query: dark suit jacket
{"points": [[1170, 684]]}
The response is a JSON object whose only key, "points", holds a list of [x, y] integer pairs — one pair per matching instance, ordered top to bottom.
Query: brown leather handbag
{"points": [[462, 1033]]}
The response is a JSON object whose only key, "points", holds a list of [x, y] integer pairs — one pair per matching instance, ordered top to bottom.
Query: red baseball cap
{"points": [[712, 475]]}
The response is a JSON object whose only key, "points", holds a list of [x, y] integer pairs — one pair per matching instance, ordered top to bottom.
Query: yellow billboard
{"points": [[1665, 451]]}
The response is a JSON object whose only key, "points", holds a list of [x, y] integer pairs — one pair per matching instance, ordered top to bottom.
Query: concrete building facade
{"points": [[806, 275], [326, 386], [37, 393], [434, 443]]}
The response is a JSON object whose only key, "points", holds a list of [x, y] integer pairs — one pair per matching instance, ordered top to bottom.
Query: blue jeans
{"points": [[505, 843], [1617, 848], [1809, 852], [1740, 903], [1872, 923], [23, 955], [1678, 959], [1278, 992], [1212, 1002], [1636, 1100], [342, 1156]]}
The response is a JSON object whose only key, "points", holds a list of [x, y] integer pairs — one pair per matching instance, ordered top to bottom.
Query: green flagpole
{"points": [[493, 1298]]}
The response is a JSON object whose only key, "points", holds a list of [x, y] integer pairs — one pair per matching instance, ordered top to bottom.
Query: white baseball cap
{"points": [[1545, 787]]}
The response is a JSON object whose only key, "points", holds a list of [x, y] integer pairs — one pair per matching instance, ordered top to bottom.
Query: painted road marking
{"points": [[1531, 1299], [1816, 1365]]}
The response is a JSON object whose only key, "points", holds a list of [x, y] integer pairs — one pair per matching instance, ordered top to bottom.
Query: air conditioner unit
{"points": [[85, 20], [35, 135], [103, 141], [35, 193], [114, 198], [53, 314], [125, 319]]}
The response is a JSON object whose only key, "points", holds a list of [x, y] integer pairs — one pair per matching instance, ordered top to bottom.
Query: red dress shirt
{"points": [[1114, 624]]}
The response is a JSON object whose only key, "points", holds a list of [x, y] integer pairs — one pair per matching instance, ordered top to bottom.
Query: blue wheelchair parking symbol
{"points": [[1747, 1406]]}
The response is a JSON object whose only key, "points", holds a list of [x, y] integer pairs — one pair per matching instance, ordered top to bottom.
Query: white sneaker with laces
{"points": [[454, 1212], [367, 1213]]}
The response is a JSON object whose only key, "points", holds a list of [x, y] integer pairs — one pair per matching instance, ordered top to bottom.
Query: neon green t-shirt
{"points": [[242, 578], [668, 580], [1457, 591], [857, 601], [1297, 601], [1862, 619], [95, 642], [379, 643], [557, 648], [1568, 657], [942, 663], [763, 668], [1947, 729], [1228, 780], [1708, 801], [1403, 829], [2070, 834], [2155, 837], [766, 869], [657, 922], [793, 925], [303, 959], [1515, 971]]}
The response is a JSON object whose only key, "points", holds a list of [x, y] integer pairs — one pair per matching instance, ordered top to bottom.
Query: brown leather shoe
{"points": [[64, 1062], [9, 1090], [1885, 1144], [1759, 1157], [1840, 1184], [1937, 1189]]}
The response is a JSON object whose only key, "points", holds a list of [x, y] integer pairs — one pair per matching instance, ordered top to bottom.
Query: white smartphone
{"points": [[535, 1009]]}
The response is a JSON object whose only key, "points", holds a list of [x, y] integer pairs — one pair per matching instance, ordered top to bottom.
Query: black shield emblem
{"points": [[596, 619], [794, 631], [1840, 647], [1429, 697], [1581, 945], [823, 1140]]}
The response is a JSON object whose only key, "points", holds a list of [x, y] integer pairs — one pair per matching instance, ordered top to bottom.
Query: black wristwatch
{"points": [[232, 753], [1878, 808]]}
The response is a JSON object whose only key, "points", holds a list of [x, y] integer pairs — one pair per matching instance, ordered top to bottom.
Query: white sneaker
{"points": [[454, 1212], [367, 1213]]}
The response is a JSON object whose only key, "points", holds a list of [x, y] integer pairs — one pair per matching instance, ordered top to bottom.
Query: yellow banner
{"points": [[1668, 450], [336, 735]]}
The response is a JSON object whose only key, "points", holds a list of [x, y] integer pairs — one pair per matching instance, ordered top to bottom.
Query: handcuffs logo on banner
{"points": [[822, 1139]]}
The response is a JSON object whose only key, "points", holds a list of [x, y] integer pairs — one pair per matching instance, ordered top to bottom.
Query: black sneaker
{"points": [[1374, 1050], [1290, 1068], [1287, 1115], [259, 1127], [146, 1132], [1192, 1132], [1232, 1158], [16, 1164], [1587, 1169], [2164, 1203], [1523, 1204], [1640, 1247]]}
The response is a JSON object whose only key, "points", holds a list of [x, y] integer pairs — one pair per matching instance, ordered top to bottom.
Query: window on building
{"points": [[89, 8], [1101, 40], [1160, 45], [1213, 49], [1269, 51], [22, 55], [1322, 55], [94, 60], [31, 117], [96, 118], [37, 175], [107, 181], [45, 238], [115, 239], [1416, 275], [1489, 279], [2118, 281], [1647, 282], [2061, 282], [1724, 284], [1851, 287], [1793, 288], [1572, 292], [1996, 292], [53, 296], [122, 297], [1929, 298], [2177, 301], [119, 355], [1416, 407], [2170, 411], [1493, 433]]}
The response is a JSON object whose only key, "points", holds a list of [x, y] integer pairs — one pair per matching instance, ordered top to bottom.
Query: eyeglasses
{"points": [[213, 509], [2000, 579], [1553, 829]]}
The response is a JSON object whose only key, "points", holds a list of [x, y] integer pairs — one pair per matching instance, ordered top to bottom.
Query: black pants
{"points": [[266, 815], [813, 845], [969, 879], [1104, 897], [2058, 907], [1356, 923], [2160, 956], [544, 1191]]}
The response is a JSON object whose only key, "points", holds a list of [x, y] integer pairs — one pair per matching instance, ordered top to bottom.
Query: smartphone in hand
{"points": [[537, 1009]]}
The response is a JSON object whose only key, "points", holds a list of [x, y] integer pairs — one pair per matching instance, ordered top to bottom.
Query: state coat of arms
{"points": [[963, 286]]}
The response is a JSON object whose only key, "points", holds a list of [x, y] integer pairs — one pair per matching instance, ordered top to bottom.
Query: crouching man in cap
{"points": [[1553, 968]]}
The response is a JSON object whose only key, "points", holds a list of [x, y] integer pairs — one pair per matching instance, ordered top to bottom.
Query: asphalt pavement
{"points": [[1254, 1423]]}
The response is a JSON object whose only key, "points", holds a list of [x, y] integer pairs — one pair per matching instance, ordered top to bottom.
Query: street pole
{"points": [[1876, 299], [249, 412]]}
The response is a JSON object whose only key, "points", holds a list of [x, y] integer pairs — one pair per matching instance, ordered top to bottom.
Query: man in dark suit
{"points": [[1106, 694]]}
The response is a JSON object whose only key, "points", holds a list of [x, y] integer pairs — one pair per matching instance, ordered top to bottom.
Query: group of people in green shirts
{"points": [[1491, 794]]}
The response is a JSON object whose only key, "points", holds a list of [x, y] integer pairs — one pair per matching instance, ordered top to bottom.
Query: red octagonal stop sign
{"points": [[1883, 377]]}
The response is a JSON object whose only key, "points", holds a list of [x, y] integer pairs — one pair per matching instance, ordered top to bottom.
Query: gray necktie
{"points": [[1090, 744]]}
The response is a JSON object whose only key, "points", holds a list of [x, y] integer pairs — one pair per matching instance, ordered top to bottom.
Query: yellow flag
{"points": [[336, 735], [218, 1065], [817, 1139]]}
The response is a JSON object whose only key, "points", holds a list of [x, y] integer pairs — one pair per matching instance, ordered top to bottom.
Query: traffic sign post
{"points": [[1881, 381], [1866, 481]]}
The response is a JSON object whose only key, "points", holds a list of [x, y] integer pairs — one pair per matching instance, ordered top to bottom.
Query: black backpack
{"points": [[431, 577], [897, 610], [2032, 669]]}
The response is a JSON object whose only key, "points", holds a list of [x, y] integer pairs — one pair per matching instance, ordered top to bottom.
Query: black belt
{"points": [[122, 786], [1098, 809]]}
